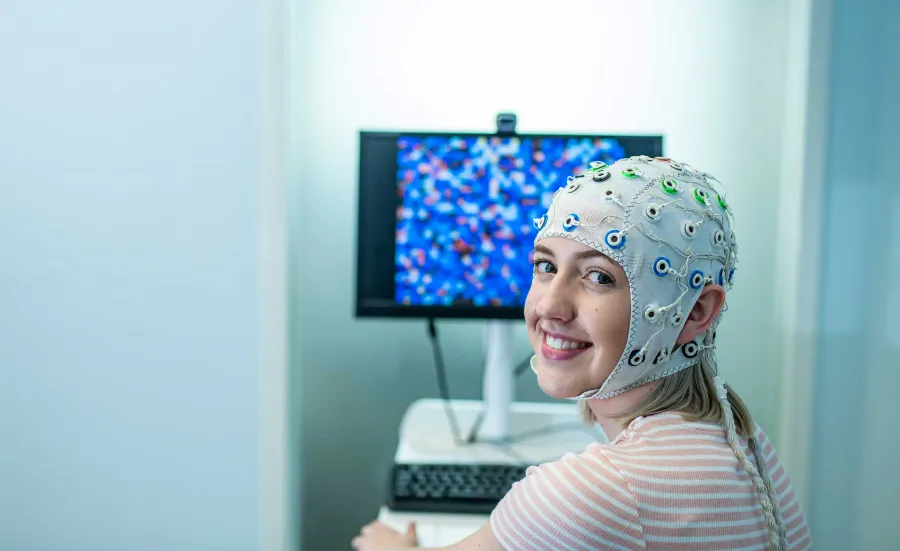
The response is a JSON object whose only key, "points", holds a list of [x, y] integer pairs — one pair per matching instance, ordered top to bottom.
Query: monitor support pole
{"points": [[499, 380]]}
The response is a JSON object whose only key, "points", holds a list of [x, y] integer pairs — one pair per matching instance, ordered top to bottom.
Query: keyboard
{"points": [[455, 489]]}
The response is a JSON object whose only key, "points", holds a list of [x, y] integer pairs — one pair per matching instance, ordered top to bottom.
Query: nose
{"points": [[556, 303]]}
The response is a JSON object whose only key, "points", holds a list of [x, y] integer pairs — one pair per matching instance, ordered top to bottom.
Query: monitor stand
{"points": [[499, 380]]}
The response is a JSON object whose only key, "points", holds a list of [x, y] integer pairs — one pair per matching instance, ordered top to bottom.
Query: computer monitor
{"points": [[445, 226]]}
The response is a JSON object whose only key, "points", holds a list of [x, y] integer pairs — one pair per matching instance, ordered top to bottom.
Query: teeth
{"points": [[561, 344]]}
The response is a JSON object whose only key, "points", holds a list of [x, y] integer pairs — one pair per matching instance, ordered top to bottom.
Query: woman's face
{"points": [[577, 312]]}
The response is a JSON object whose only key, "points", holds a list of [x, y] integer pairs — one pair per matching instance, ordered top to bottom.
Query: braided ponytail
{"points": [[767, 479], [763, 484]]}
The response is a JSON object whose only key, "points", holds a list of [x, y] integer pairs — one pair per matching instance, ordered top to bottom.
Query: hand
{"points": [[376, 536]]}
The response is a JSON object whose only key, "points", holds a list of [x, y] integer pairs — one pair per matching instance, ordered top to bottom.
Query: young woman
{"points": [[631, 267]]}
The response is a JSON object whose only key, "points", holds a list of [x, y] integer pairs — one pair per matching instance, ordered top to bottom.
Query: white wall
{"points": [[708, 74], [139, 249], [855, 491]]}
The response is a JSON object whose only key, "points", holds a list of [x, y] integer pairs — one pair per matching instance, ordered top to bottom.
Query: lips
{"points": [[560, 347]]}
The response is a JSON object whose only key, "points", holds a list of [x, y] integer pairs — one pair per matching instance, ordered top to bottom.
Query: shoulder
{"points": [[670, 429], [664, 439], [766, 449], [669, 461], [582, 500], [792, 514]]}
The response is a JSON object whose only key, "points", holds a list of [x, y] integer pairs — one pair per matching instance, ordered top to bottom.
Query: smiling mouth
{"points": [[557, 343], [561, 348]]}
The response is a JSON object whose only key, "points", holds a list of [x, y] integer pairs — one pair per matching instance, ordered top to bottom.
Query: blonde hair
{"points": [[700, 395]]}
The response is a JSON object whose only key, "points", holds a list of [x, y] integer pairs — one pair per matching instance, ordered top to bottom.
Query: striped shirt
{"points": [[663, 484]]}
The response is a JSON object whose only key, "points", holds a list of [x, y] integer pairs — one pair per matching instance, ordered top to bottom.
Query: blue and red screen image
{"points": [[465, 230]]}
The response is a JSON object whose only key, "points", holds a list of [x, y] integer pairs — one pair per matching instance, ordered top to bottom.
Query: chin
{"points": [[567, 380], [558, 387], [559, 392]]}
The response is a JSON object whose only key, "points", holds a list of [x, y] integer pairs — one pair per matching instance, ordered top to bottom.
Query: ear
{"points": [[704, 312]]}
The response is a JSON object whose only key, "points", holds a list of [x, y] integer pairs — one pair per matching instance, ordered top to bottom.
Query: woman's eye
{"points": [[543, 267], [600, 278]]}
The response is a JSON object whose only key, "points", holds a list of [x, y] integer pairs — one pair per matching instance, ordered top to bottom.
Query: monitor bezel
{"points": [[447, 312]]}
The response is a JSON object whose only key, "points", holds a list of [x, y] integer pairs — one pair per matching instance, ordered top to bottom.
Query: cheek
{"points": [[530, 301], [611, 321]]}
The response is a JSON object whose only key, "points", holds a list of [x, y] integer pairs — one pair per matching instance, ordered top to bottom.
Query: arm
{"points": [[578, 502]]}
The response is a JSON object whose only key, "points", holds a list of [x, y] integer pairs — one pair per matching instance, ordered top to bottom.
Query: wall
{"points": [[709, 75], [138, 185], [799, 224], [854, 492]]}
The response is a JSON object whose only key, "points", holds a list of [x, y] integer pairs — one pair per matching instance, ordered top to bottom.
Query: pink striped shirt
{"points": [[664, 484]]}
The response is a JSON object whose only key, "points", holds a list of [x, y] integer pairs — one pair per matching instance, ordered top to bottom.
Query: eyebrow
{"points": [[579, 255]]}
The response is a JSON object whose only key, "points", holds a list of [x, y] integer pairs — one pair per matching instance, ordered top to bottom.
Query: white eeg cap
{"points": [[669, 227]]}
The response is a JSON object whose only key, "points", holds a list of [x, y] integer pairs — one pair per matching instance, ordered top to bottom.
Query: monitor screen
{"points": [[446, 220]]}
